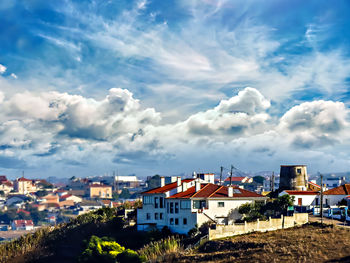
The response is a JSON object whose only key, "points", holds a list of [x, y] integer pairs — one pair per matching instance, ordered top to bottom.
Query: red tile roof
{"points": [[3, 178], [22, 179], [314, 184], [165, 188], [340, 190], [214, 191], [294, 192], [65, 196], [23, 211], [23, 223]]}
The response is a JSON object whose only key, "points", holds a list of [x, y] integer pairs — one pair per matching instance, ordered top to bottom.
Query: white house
{"points": [[332, 182], [333, 196], [303, 198], [183, 204], [22, 225]]}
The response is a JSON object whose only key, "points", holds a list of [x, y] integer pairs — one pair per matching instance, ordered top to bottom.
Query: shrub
{"points": [[160, 249], [101, 250], [129, 256]]}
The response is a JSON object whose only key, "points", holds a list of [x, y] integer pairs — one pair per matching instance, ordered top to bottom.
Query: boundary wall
{"points": [[260, 226]]}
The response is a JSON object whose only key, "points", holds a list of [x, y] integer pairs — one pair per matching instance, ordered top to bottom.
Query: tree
{"points": [[258, 179], [153, 182], [41, 193], [125, 194]]}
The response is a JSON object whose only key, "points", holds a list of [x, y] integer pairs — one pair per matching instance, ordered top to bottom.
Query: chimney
{"points": [[162, 181], [178, 181], [198, 186], [184, 187], [230, 191]]}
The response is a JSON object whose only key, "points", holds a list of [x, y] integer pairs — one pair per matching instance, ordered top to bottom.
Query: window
{"points": [[299, 170], [236, 191], [147, 199], [316, 201], [156, 202], [161, 202], [185, 204], [199, 204], [221, 204], [167, 207], [171, 208], [176, 208], [148, 216], [156, 216], [161, 216], [171, 221], [176, 221], [185, 221]]}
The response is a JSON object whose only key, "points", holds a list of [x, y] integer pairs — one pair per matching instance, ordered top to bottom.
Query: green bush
{"points": [[101, 250], [129, 256]]}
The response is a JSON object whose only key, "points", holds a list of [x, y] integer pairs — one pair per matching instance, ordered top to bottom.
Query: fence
{"points": [[261, 226]]}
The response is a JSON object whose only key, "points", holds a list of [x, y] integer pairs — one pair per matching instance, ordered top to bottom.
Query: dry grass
{"points": [[310, 243]]}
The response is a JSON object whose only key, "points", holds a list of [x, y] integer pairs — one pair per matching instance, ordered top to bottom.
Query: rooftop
{"points": [[166, 187], [340, 190], [295, 192]]}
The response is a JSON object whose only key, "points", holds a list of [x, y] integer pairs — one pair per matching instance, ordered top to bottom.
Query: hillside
{"points": [[309, 243]]}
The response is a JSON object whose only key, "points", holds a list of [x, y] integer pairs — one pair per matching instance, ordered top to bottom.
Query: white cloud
{"points": [[2, 69], [13, 75]]}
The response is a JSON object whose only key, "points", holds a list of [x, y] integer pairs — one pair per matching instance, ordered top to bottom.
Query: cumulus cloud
{"points": [[2, 69], [235, 116], [315, 123]]}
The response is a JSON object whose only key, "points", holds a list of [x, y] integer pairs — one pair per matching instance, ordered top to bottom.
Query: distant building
{"points": [[293, 177], [238, 180], [126, 181], [332, 182], [271, 183], [6, 186], [24, 186], [100, 191], [303, 198], [22, 225]]}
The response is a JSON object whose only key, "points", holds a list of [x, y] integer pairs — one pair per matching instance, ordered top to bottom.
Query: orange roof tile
{"points": [[165, 188], [340, 190], [214, 191]]}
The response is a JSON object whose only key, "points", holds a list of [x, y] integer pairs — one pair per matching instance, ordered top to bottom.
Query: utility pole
{"points": [[221, 169], [231, 175], [273, 182], [321, 203]]}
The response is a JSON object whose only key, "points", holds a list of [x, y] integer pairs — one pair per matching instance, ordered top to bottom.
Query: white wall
{"points": [[333, 199]]}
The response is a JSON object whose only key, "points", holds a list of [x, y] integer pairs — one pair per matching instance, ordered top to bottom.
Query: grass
{"points": [[309, 243], [162, 250]]}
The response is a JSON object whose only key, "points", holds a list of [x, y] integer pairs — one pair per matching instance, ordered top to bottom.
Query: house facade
{"points": [[24, 186], [100, 191], [333, 196], [303, 198], [185, 203], [22, 225]]}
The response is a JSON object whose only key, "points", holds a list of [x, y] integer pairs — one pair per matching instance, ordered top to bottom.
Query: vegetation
{"points": [[153, 182], [276, 207], [65, 242], [308, 243], [106, 250], [162, 250]]}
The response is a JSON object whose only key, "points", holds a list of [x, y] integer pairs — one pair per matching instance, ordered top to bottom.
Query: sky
{"points": [[168, 87]]}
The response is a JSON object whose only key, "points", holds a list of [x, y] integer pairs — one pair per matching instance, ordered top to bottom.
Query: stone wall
{"points": [[261, 226]]}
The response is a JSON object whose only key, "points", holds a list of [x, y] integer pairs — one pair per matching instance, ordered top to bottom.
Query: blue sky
{"points": [[87, 87]]}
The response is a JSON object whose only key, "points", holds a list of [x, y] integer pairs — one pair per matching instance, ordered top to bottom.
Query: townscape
{"points": [[165, 201]]}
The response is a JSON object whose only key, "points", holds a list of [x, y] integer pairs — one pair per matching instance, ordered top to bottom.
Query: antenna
{"points": [[221, 169], [231, 174]]}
